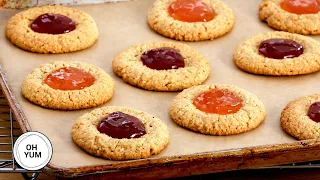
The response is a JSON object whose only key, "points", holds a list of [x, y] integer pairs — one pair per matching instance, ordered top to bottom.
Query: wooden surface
{"points": [[274, 174]]}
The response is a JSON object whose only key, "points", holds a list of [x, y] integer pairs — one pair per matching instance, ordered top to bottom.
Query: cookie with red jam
{"points": [[295, 16], [191, 20], [52, 29], [278, 53], [161, 66], [68, 86], [217, 110], [301, 117], [120, 133]]}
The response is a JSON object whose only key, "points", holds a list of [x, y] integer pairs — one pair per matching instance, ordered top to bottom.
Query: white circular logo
{"points": [[32, 151]]}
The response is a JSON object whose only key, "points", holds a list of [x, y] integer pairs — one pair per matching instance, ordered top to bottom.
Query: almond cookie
{"points": [[295, 16], [191, 20], [52, 29], [278, 53], [161, 66], [68, 86], [217, 110], [301, 117], [120, 133]]}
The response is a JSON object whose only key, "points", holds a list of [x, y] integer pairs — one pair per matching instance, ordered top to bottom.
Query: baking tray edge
{"points": [[22, 4], [178, 166]]}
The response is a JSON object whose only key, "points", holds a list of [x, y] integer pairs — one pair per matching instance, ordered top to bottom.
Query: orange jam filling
{"points": [[301, 6], [191, 11], [69, 78], [218, 101]]}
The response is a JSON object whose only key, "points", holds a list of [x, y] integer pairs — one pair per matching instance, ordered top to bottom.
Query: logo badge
{"points": [[32, 151]]}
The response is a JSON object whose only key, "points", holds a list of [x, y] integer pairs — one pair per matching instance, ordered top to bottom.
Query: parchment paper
{"points": [[124, 24]]}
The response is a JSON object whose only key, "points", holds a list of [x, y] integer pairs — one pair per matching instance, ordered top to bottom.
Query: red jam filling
{"points": [[301, 6], [191, 11], [53, 24], [280, 48], [162, 59], [69, 78], [218, 101], [314, 112], [120, 125]]}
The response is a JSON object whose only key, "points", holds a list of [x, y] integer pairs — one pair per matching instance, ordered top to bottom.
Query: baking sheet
{"points": [[124, 24]]}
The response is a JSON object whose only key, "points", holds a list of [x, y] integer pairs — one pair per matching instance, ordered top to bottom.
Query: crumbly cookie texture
{"points": [[278, 18], [160, 21], [18, 31], [248, 58], [128, 65], [35, 90], [185, 113], [295, 120], [86, 135]]}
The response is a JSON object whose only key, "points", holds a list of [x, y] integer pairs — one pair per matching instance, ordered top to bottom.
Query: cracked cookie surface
{"points": [[280, 19], [160, 21], [18, 31], [248, 58], [128, 65], [35, 90], [184, 112], [295, 120], [85, 135]]}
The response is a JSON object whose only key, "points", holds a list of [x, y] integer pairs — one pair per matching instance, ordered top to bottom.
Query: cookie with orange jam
{"points": [[295, 16], [191, 20], [52, 29], [278, 54], [161, 66], [68, 86], [217, 110], [301, 117], [120, 133]]}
